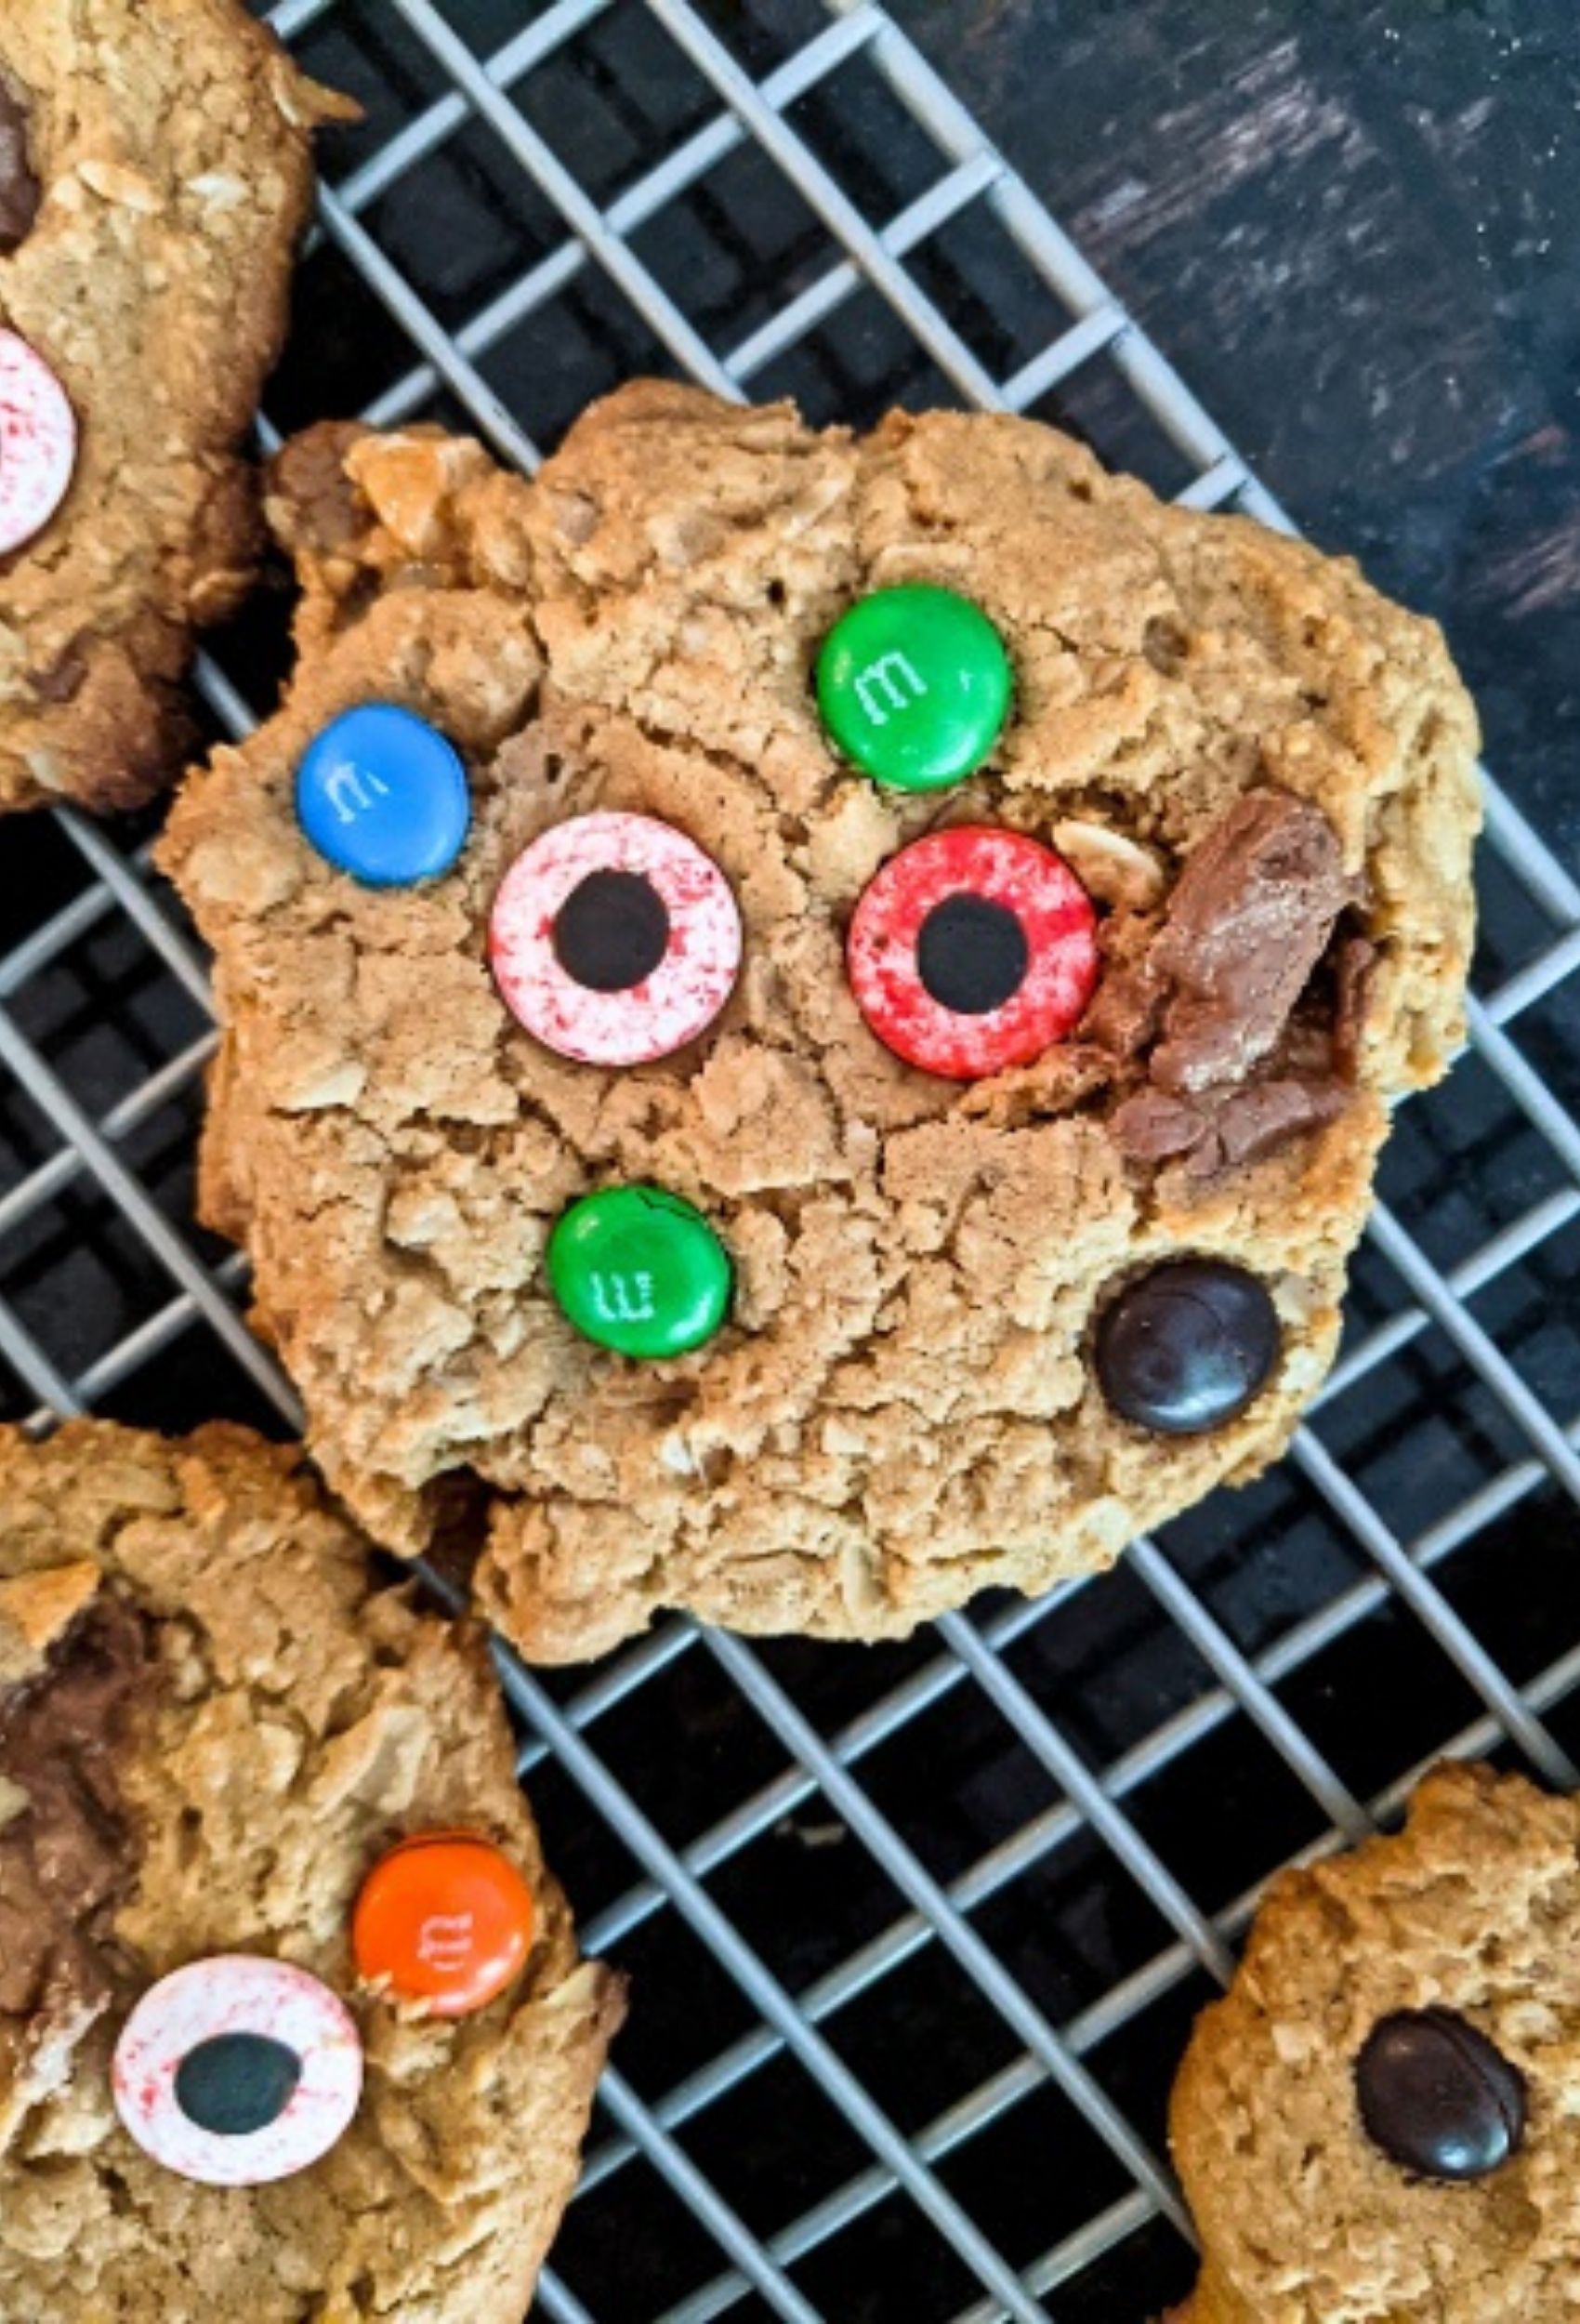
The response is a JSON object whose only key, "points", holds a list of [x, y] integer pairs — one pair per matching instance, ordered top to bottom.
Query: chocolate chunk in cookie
{"points": [[21, 193], [1209, 1007], [71, 1853]]}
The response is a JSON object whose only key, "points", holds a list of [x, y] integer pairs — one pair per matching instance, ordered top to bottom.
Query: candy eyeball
{"points": [[38, 443], [914, 686], [384, 796], [615, 939], [973, 950], [445, 1920], [237, 2071], [1437, 2097]]}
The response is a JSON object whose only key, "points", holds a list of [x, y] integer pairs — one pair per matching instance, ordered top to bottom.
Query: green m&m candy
{"points": [[913, 684], [640, 1271]]}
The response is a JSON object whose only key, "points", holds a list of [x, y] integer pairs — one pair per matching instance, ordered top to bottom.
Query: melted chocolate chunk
{"points": [[21, 193], [1246, 924], [612, 930], [971, 954], [1354, 959], [1244, 1006], [1238, 1126], [1186, 1346], [70, 1856], [236, 2083], [1437, 2097]]}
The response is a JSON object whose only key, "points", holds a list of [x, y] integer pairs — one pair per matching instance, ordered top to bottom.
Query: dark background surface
{"points": [[1356, 228]]}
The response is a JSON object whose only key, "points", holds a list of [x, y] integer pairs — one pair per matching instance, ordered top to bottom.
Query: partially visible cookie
{"points": [[155, 170], [214, 1735], [1380, 2122]]}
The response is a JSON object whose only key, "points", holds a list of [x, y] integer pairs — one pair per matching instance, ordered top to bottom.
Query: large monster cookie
{"points": [[154, 172], [809, 1020], [276, 2040], [1380, 2124]]}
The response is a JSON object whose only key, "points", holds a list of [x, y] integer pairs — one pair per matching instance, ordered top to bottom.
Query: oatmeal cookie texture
{"points": [[154, 172], [1260, 770], [212, 1729], [1377, 2124]]}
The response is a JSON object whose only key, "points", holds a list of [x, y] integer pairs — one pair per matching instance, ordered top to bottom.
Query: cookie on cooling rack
{"points": [[154, 173], [812, 1015], [291, 2017], [1378, 2122]]}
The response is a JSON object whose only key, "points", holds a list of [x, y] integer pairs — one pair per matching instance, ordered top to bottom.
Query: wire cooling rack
{"points": [[917, 1931]]}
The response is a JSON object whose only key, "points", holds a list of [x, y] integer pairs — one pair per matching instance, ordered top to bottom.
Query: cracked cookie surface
{"points": [[156, 171], [902, 1410], [212, 1725], [1471, 1914]]}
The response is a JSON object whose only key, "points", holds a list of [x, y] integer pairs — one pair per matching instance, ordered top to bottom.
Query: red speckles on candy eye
{"points": [[38, 443], [615, 939], [973, 950], [271, 2006]]}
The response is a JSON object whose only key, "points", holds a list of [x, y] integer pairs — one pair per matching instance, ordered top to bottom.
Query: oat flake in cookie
{"points": [[155, 170], [1245, 785], [217, 1738], [1378, 2123]]}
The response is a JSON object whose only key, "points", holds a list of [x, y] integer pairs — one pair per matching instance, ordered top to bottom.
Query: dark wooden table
{"points": [[1355, 225]]}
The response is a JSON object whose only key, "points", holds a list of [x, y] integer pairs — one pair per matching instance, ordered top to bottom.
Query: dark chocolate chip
{"points": [[21, 193], [612, 930], [971, 954], [1186, 1346], [237, 2083], [1438, 2097]]}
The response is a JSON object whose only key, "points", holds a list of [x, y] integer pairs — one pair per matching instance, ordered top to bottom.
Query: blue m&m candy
{"points": [[382, 795]]}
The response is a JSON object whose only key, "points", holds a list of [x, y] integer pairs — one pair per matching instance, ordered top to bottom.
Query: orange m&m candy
{"points": [[445, 1919]]}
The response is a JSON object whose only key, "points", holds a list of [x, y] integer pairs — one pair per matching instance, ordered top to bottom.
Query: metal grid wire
{"points": [[917, 1931]]}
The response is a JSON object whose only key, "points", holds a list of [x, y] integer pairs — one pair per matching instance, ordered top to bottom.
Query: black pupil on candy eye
{"points": [[612, 930], [971, 954], [237, 2083]]}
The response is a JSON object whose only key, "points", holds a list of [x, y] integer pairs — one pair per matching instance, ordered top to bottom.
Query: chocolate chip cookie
{"points": [[154, 173], [809, 1019], [291, 2017], [1378, 2122]]}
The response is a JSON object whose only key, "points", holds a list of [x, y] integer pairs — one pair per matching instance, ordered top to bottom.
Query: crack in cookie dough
{"points": [[153, 178], [903, 1409], [211, 1728]]}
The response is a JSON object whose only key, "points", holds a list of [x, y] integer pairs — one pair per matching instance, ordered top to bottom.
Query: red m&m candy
{"points": [[615, 939], [973, 950], [445, 1919]]}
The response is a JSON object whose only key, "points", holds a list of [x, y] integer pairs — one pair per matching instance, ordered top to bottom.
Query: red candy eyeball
{"points": [[615, 939], [972, 950]]}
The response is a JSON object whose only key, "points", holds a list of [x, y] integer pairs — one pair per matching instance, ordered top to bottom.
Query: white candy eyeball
{"points": [[615, 939], [237, 2071]]}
